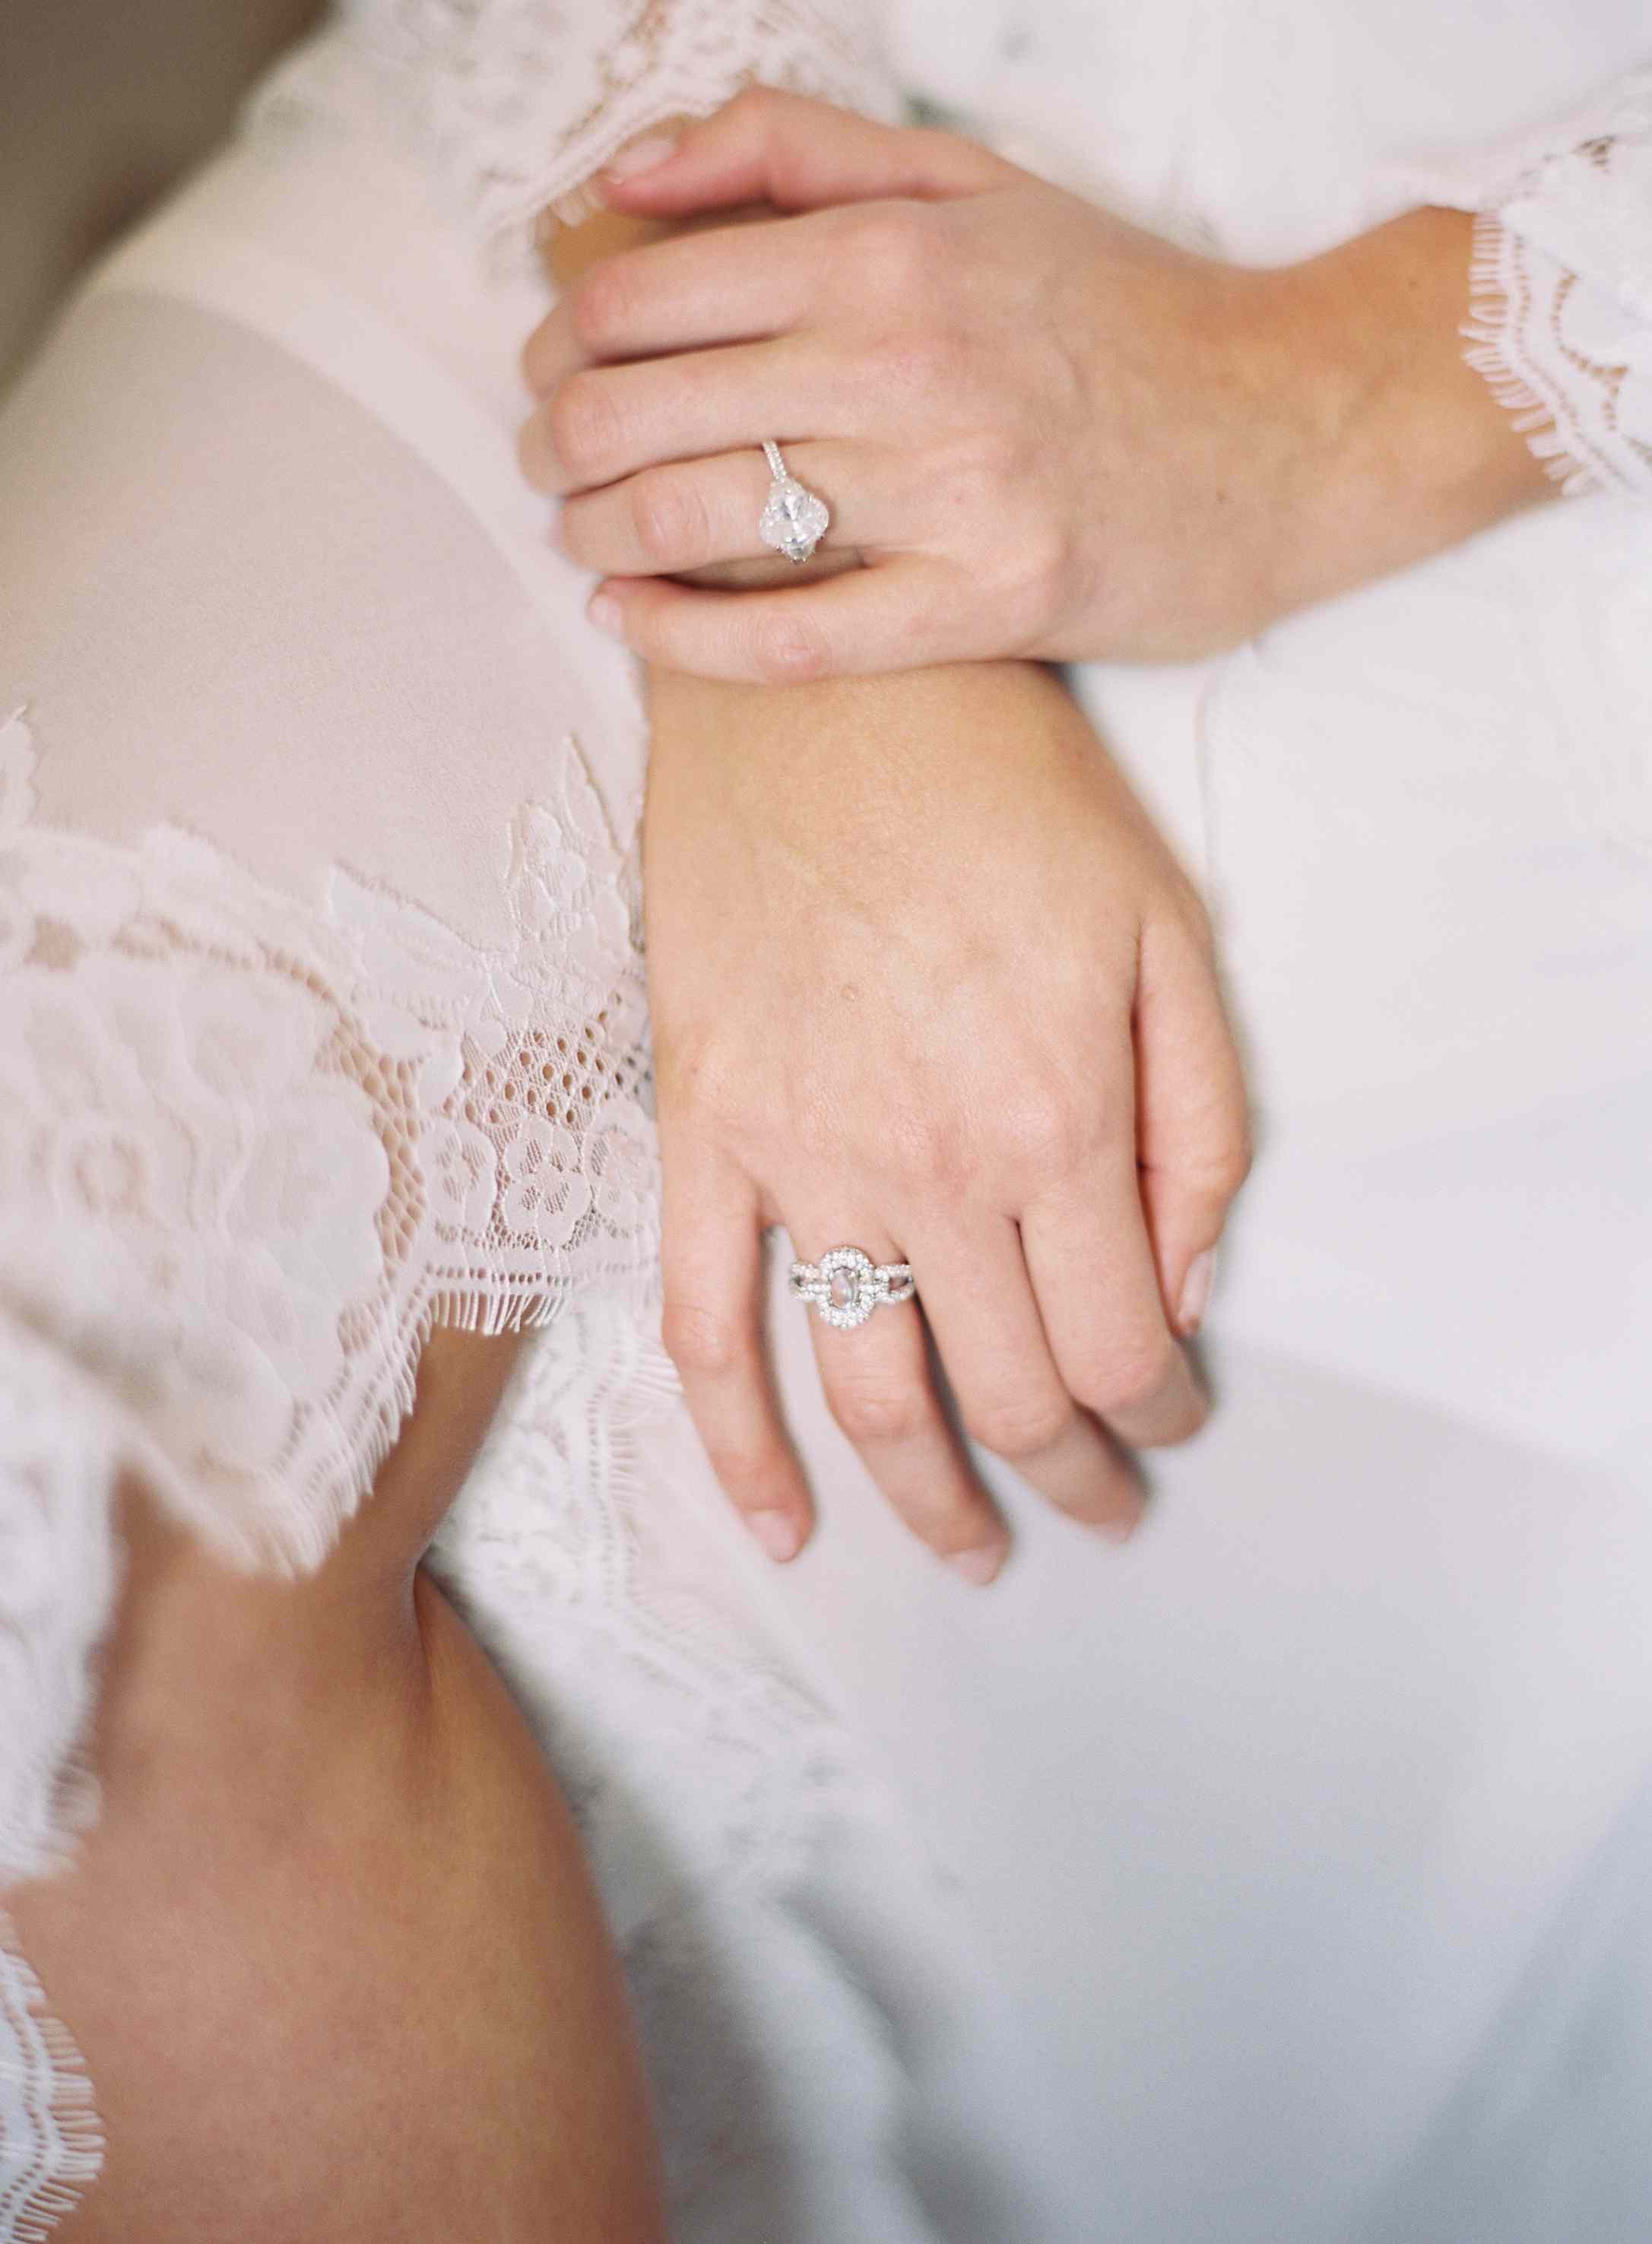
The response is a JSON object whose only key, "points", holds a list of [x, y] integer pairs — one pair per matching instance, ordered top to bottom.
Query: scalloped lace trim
{"points": [[520, 102], [1561, 321], [1573, 368], [52, 2144]]}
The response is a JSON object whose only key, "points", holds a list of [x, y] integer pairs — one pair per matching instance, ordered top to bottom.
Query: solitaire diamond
{"points": [[794, 521]]}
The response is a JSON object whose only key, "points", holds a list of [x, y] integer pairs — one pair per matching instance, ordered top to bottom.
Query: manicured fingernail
{"points": [[642, 155], [605, 611], [1195, 1291], [778, 1532], [978, 1567]]}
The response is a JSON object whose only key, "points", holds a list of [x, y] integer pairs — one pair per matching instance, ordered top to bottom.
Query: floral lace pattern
{"points": [[522, 101], [252, 1152]]}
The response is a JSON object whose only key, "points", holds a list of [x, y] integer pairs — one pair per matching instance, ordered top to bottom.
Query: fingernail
{"points": [[642, 155], [607, 614], [1195, 1291], [778, 1532], [978, 1567]]}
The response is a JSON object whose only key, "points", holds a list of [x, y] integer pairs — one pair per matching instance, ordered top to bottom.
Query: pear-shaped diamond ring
{"points": [[794, 521]]}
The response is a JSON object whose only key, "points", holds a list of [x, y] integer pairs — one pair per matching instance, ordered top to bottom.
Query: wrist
{"points": [[1406, 449]]}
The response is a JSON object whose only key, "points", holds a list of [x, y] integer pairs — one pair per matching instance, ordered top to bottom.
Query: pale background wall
{"points": [[102, 104]]}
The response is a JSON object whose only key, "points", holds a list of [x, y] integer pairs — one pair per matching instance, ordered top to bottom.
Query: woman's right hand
{"points": [[926, 981]]}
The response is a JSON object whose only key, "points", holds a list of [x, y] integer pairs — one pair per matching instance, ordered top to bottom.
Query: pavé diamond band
{"points": [[794, 521], [845, 1287]]}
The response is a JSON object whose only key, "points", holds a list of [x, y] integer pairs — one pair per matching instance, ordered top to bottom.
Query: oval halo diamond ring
{"points": [[794, 520], [845, 1285]]}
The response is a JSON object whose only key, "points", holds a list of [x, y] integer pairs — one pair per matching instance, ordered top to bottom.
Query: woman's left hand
{"points": [[1046, 432]]}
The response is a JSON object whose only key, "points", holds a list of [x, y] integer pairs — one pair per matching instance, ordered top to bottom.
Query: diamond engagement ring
{"points": [[794, 521], [845, 1287]]}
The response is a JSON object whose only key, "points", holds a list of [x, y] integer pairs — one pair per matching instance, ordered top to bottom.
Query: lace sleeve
{"points": [[519, 102], [1560, 322]]}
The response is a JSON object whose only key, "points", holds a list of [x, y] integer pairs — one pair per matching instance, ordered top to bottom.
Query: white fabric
{"points": [[1265, 1841]]}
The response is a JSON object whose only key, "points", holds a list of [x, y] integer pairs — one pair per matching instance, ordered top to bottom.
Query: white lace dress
{"points": [[1225, 1891]]}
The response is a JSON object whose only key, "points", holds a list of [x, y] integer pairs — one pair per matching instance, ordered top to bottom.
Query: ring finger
{"points": [[692, 514], [881, 1390]]}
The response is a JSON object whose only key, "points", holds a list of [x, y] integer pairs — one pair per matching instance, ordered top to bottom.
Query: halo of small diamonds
{"points": [[845, 1285]]}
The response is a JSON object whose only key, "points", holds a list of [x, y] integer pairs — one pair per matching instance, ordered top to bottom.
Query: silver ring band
{"points": [[795, 519], [845, 1285]]}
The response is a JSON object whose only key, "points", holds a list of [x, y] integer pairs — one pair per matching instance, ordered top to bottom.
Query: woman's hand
{"points": [[1047, 432], [926, 981]]}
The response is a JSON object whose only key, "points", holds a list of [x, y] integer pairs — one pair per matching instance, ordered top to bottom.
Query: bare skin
{"points": [[332, 1952]]}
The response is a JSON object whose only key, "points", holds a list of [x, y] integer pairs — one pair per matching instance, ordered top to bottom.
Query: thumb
{"points": [[796, 154]]}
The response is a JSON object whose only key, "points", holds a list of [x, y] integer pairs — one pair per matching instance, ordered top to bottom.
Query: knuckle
{"points": [[758, 101], [885, 242], [598, 304], [539, 357], [917, 361], [584, 426], [534, 453], [980, 473], [669, 521], [576, 534], [586, 537], [1039, 578], [789, 650], [1194, 914], [1044, 1134], [917, 1149], [1233, 1161], [700, 1342], [1132, 1375], [878, 1412], [1018, 1425], [746, 1470]]}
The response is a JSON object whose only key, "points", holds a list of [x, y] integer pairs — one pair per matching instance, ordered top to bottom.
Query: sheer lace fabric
{"points": [[521, 103], [1562, 323]]}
